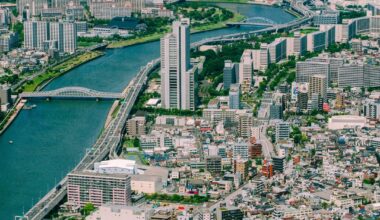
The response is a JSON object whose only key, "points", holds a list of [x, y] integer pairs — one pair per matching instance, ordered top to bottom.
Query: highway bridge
{"points": [[72, 93], [109, 142]]}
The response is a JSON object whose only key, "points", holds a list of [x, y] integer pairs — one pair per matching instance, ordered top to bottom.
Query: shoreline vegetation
{"points": [[156, 36], [42, 80]]}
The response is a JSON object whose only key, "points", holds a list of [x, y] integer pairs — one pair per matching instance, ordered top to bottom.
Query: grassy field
{"points": [[308, 30], [157, 36], [60, 69]]}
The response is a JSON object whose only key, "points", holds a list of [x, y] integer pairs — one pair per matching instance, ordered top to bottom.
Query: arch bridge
{"points": [[254, 21], [72, 93]]}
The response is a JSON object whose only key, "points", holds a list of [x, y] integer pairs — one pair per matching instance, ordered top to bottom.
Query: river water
{"points": [[49, 140]]}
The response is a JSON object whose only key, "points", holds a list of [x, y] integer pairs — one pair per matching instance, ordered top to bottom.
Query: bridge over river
{"points": [[72, 93]]}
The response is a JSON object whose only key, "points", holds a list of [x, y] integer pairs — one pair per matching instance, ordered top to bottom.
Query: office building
{"points": [[326, 17], [316, 41], [277, 50], [306, 69], [246, 71], [229, 74], [351, 75], [318, 84], [178, 86], [234, 96], [302, 100], [276, 111], [136, 126], [282, 131], [278, 164], [214, 165], [241, 166], [148, 184], [98, 188]]}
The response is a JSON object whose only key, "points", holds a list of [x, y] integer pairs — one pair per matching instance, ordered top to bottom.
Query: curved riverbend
{"points": [[49, 141]]}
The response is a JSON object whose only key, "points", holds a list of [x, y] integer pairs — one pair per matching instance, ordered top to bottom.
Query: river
{"points": [[49, 140]]}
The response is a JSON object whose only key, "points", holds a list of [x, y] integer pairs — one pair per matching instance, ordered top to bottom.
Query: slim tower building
{"points": [[176, 78]]}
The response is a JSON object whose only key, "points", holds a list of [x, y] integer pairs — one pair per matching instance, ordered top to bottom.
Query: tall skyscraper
{"points": [[177, 77]]}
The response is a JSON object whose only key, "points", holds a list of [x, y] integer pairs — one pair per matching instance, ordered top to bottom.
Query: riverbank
{"points": [[154, 37], [42, 80], [11, 116]]}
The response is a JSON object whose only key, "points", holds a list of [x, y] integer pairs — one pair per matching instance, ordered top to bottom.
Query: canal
{"points": [[49, 140]]}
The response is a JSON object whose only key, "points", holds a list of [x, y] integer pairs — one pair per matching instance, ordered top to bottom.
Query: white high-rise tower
{"points": [[177, 82]]}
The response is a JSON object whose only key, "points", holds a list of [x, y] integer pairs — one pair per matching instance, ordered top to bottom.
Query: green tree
{"points": [[88, 209]]}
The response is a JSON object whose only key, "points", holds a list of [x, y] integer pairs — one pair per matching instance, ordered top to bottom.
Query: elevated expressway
{"points": [[110, 140]]}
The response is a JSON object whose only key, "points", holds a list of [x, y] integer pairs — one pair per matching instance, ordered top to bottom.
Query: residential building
{"points": [[65, 33], [35, 34], [316, 41], [296, 45], [277, 50], [305, 69], [351, 75], [318, 84], [136, 126], [241, 166], [89, 187]]}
